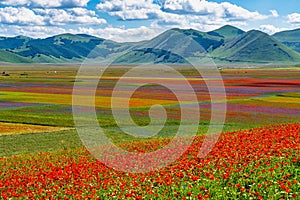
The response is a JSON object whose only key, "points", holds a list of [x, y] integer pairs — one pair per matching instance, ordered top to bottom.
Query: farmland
{"points": [[257, 155]]}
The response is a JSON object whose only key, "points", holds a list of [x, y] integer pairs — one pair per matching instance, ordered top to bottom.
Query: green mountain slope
{"points": [[227, 32], [290, 38], [13, 42], [184, 42], [226, 44], [66, 46], [171, 46], [255, 46], [60, 48], [6, 56], [149, 56]]}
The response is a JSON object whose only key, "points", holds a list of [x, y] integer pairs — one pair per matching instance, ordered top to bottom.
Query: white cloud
{"points": [[45, 3], [190, 6], [130, 9], [218, 10], [182, 13], [274, 13], [20, 16], [69, 16], [42, 17], [294, 18], [199, 22], [271, 29], [31, 31], [112, 33], [120, 34]]}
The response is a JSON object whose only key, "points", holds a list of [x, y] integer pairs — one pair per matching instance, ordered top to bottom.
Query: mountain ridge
{"points": [[227, 31], [291, 38], [227, 44], [254, 46]]}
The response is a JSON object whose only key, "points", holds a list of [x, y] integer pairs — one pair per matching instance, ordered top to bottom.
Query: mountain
{"points": [[227, 32], [290, 38], [13, 42], [185, 42], [227, 44], [171, 46], [255, 46], [60, 48], [150, 55], [7, 56]]}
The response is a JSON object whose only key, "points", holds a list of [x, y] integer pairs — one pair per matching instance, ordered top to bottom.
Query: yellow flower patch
{"points": [[11, 129]]}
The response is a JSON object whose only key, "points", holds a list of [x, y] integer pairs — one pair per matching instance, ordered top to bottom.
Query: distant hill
{"points": [[227, 32], [290, 38], [183, 41], [13, 42], [227, 44], [171, 46], [253, 46], [257, 47], [60, 48], [150, 55], [6, 56]]}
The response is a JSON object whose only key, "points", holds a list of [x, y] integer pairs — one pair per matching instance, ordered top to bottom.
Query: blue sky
{"points": [[283, 7], [134, 20]]}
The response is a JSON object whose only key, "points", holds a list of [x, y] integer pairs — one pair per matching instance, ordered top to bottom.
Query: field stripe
{"points": [[15, 129]]}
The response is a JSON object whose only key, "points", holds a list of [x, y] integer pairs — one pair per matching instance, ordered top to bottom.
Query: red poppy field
{"points": [[256, 157], [256, 163]]}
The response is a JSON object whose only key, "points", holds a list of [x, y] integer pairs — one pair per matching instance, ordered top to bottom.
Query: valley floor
{"points": [[256, 157]]}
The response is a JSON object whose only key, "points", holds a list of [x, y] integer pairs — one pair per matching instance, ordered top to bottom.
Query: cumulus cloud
{"points": [[45, 3], [130, 9], [219, 10], [183, 13], [274, 13], [20, 16], [69, 16], [42, 17], [294, 18], [170, 19], [199, 22], [270, 29], [31, 31], [112, 33], [121, 34]]}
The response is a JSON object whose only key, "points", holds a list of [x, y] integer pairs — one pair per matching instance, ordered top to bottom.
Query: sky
{"points": [[136, 20]]}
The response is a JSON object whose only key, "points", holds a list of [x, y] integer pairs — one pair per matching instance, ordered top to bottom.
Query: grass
{"points": [[25, 116], [38, 142], [16, 144]]}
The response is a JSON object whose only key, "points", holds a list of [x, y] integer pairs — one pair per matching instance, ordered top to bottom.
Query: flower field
{"points": [[9, 129], [256, 157], [258, 163]]}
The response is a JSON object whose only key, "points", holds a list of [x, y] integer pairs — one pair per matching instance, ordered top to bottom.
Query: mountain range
{"points": [[227, 44]]}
